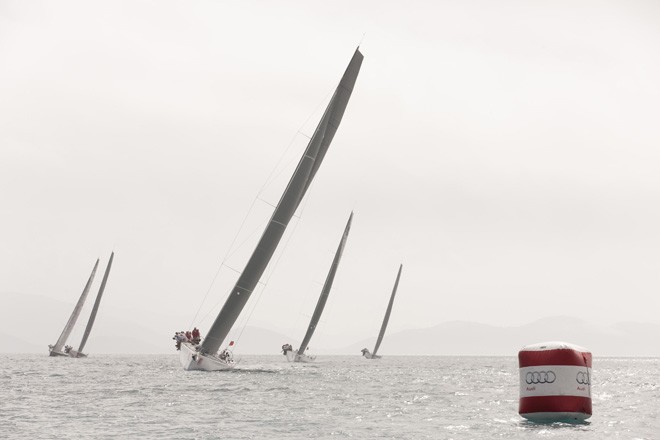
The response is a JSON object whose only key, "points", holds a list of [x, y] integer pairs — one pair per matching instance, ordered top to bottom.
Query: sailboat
{"points": [[92, 317], [60, 349], [300, 355], [372, 355], [205, 356]]}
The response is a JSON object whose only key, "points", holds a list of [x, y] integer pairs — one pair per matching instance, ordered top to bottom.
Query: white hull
{"points": [[58, 353], [76, 354], [367, 354], [293, 356], [192, 360]]}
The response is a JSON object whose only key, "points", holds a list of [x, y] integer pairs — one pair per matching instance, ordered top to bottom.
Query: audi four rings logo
{"points": [[540, 377], [583, 378]]}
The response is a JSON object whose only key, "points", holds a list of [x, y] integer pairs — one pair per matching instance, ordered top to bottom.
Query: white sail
{"points": [[291, 198], [323, 298], [92, 316], [383, 327], [56, 350]]}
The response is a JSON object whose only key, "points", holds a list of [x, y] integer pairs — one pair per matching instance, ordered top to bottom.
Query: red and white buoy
{"points": [[555, 382]]}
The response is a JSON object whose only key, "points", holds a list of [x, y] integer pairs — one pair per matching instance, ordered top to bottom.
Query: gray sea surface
{"points": [[396, 397]]}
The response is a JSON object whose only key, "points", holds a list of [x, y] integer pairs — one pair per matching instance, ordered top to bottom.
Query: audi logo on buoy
{"points": [[534, 377], [583, 378], [550, 395]]}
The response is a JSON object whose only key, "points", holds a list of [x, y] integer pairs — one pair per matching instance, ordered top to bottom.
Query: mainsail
{"points": [[295, 190], [325, 292], [387, 314], [92, 316], [57, 348]]}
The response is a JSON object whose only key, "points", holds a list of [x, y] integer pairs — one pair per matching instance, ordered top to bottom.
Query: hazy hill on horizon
{"points": [[29, 329], [468, 338]]}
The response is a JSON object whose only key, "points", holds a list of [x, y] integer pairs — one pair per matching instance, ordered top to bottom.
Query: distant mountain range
{"points": [[25, 328], [468, 338]]}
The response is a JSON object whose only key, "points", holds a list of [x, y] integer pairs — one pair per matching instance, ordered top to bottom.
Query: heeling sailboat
{"points": [[92, 317], [58, 348], [365, 352], [300, 355], [204, 356]]}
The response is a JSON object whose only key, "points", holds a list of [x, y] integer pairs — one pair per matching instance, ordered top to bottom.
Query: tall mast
{"points": [[300, 180], [325, 292], [76, 312], [387, 314], [92, 317]]}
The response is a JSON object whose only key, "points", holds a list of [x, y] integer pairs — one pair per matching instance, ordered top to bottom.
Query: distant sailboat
{"points": [[92, 317], [60, 349], [365, 352], [300, 355], [205, 356]]}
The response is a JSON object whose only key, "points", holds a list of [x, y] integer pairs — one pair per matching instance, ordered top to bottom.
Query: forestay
{"points": [[295, 190], [327, 286], [387, 313], [92, 316], [57, 348]]}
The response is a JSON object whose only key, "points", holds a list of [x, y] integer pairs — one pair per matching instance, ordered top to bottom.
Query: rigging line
{"points": [[299, 131], [278, 174], [269, 179], [266, 183], [257, 197], [266, 202], [260, 227], [252, 234], [240, 246], [230, 253], [277, 261], [231, 268], [238, 271], [217, 272], [304, 301], [303, 304], [203, 318]]}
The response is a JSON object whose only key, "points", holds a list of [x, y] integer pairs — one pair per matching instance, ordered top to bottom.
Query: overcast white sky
{"points": [[507, 153]]}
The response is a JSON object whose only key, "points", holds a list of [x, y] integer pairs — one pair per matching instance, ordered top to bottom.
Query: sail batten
{"points": [[290, 200], [325, 291], [97, 303], [76, 312], [387, 313]]}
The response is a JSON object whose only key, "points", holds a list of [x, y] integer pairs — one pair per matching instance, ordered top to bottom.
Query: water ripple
{"points": [[150, 397]]}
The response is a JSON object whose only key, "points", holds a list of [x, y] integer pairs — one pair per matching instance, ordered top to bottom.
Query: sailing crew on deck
{"points": [[189, 336], [179, 337], [225, 355]]}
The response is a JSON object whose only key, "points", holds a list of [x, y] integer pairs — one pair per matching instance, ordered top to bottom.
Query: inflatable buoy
{"points": [[555, 382]]}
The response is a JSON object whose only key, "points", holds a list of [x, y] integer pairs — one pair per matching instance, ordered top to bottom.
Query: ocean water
{"points": [[397, 397]]}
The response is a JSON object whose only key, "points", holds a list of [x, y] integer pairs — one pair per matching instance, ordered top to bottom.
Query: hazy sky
{"points": [[507, 153]]}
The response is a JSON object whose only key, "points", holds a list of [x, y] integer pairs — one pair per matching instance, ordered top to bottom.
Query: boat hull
{"points": [[58, 353], [77, 354], [367, 354], [293, 356], [191, 359]]}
